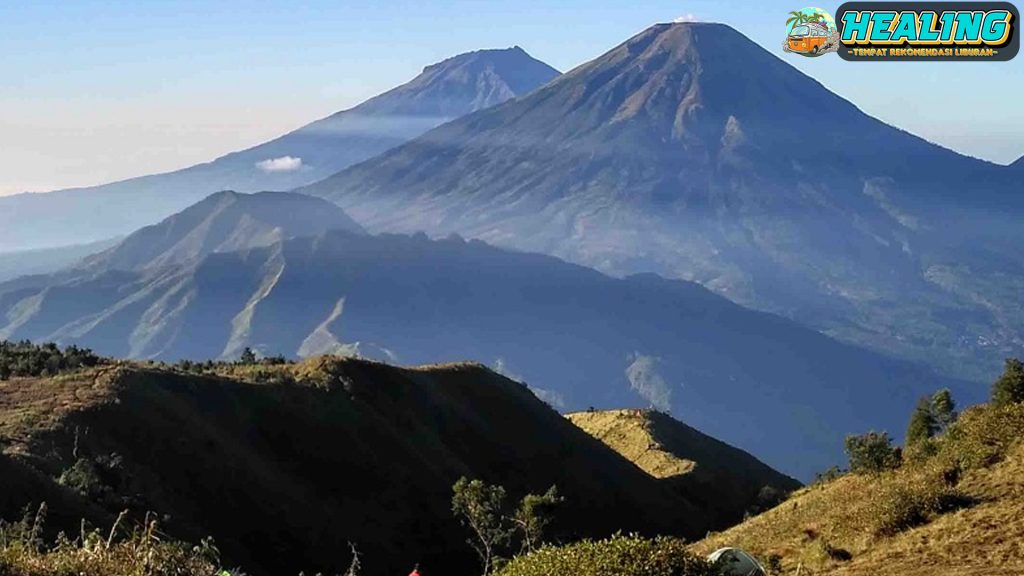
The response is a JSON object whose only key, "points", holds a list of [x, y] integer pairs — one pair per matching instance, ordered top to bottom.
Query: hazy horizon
{"points": [[120, 93]]}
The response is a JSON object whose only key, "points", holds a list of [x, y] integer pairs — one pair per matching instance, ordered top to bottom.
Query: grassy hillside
{"points": [[284, 465], [722, 478], [959, 512]]}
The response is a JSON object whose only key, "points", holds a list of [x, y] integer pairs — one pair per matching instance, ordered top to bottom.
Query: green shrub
{"points": [[24, 359], [1009, 388], [982, 436], [872, 453], [830, 475], [84, 477], [910, 499], [615, 556]]}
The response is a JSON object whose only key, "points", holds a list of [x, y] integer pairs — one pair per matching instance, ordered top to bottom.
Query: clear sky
{"points": [[93, 91]]}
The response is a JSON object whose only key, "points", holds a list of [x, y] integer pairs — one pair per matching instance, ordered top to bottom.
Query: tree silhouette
{"points": [[1009, 388], [944, 408], [923, 424]]}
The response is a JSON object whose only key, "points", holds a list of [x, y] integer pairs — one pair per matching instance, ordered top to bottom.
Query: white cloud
{"points": [[688, 17], [282, 164]]}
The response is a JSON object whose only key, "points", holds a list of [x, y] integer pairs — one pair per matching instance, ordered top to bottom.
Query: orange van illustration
{"points": [[808, 38]]}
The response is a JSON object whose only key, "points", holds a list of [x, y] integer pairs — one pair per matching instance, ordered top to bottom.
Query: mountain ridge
{"points": [[447, 90], [692, 152], [224, 222], [579, 337], [296, 461], [735, 482]]}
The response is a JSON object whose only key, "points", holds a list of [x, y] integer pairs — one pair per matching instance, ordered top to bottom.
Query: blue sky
{"points": [[94, 91]]}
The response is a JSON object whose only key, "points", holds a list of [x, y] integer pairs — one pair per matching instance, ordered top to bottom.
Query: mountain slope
{"points": [[444, 91], [692, 152], [224, 222], [48, 260], [578, 337], [285, 472], [731, 481], [957, 513]]}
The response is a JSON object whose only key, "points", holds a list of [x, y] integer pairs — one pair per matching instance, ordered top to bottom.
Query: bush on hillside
{"points": [[27, 360], [1009, 388], [933, 416], [981, 436], [872, 453], [830, 475], [85, 478], [927, 486], [912, 498], [533, 516], [615, 556]]}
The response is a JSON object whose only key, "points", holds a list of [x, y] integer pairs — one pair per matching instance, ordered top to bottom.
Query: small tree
{"points": [[247, 356], [5, 371], [1009, 388], [944, 409], [923, 424], [872, 453], [479, 507], [533, 516]]}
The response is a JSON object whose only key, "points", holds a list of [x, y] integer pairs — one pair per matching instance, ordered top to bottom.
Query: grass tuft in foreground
{"points": [[144, 551]]}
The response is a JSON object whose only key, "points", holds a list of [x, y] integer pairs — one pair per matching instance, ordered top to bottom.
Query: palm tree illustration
{"points": [[796, 18]]}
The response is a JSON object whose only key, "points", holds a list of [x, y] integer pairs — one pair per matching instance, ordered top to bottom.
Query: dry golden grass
{"points": [[32, 405], [627, 432], [986, 537], [144, 552]]}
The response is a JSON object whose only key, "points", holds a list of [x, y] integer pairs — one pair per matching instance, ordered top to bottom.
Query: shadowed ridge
{"points": [[284, 465]]}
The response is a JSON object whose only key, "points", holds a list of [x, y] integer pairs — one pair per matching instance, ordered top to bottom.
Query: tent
{"points": [[736, 562]]}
